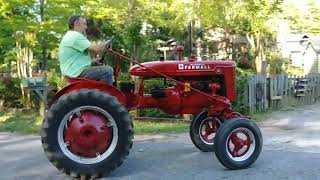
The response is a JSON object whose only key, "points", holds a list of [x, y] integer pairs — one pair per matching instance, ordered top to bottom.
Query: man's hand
{"points": [[109, 44], [98, 48], [97, 61]]}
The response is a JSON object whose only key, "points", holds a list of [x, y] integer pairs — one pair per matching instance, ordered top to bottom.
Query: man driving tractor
{"points": [[75, 50], [88, 131]]}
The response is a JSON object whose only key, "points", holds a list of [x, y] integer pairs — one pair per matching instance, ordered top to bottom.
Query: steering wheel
{"points": [[105, 50]]}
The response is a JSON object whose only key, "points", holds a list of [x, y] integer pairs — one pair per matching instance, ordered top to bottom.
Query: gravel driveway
{"points": [[291, 151]]}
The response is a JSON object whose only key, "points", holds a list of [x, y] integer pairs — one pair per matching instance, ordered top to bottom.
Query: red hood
{"points": [[182, 68]]}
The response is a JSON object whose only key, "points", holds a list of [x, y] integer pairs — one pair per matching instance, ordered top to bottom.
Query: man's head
{"points": [[77, 23]]}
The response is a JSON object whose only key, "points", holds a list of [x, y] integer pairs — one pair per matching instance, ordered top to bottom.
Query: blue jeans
{"points": [[99, 73]]}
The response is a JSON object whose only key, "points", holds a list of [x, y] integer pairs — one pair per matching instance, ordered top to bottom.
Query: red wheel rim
{"points": [[208, 129], [88, 134], [240, 144]]}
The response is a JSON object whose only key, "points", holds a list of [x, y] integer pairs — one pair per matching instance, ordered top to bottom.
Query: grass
{"points": [[259, 116], [25, 123], [30, 123], [152, 127]]}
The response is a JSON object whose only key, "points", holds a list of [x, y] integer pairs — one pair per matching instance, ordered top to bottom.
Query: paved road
{"points": [[291, 151]]}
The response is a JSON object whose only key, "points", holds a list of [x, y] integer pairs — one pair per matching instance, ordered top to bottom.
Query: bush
{"points": [[276, 64], [295, 71], [55, 79], [153, 83], [148, 85], [241, 85], [10, 92], [154, 113]]}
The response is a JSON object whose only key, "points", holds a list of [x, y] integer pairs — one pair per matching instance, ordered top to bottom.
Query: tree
{"points": [[246, 17], [302, 17], [253, 25]]}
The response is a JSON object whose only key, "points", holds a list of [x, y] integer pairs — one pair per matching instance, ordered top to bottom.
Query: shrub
{"points": [[276, 63], [55, 79], [150, 84], [241, 85], [10, 92], [154, 113]]}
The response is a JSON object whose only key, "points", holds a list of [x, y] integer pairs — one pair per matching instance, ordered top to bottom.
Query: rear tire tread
{"points": [[109, 102]]}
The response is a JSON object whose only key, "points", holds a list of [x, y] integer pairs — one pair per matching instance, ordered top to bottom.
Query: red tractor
{"points": [[88, 131]]}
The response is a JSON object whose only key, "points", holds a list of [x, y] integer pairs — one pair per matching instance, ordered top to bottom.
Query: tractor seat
{"points": [[73, 79]]}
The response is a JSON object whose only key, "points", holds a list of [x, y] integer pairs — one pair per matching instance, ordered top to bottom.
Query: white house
{"points": [[292, 47], [302, 50], [311, 56]]}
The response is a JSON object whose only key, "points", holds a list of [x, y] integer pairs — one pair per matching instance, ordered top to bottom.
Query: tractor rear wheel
{"points": [[203, 130], [87, 134], [238, 143]]}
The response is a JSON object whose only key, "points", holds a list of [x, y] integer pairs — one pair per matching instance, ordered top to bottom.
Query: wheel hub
{"points": [[208, 129], [88, 134], [239, 143]]}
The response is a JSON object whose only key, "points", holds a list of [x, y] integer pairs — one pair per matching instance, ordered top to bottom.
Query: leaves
{"points": [[302, 18], [139, 26]]}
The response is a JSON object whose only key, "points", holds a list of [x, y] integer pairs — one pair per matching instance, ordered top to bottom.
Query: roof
{"points": [[296, 37], [237, 39], [293, 42], [315, 42]]}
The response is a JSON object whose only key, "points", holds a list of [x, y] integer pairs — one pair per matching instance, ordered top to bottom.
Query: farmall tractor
{"points": [[88, 132]]}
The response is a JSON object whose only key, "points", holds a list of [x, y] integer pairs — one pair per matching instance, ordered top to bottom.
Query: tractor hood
{"points": [[182, 68]]}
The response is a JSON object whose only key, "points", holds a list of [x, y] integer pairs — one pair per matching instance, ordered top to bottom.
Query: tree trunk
{"points": [[131, 19], [198, 27], [226, 42], [134, 48], [44, 57], [260, 57], [24, 66]]}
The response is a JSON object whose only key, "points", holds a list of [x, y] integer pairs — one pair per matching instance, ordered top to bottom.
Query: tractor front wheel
{"points": [[203, 131], [87, 134], [238, 143]]}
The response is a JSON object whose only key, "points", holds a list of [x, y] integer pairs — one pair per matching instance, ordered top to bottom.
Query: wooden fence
{"points": [[274, 92]]}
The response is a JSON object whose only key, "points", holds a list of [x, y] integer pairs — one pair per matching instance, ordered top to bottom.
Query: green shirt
{"points": [[73, 53]]}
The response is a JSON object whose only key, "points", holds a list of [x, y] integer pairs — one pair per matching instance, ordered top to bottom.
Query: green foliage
{"points": [[244, 16], [302, 17], [141, 26], [244, 64], [276, 64], [295, 71], [243, 72], [55, 79], [153, 83], [150, 84], [241, 86], [10, 92], [240, 105], [154, 113], [26, 123], [30, 123], [152, 127]]}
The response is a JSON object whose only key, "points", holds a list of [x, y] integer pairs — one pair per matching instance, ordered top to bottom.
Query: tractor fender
{"points": [[91, 84], [200, 116]]}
